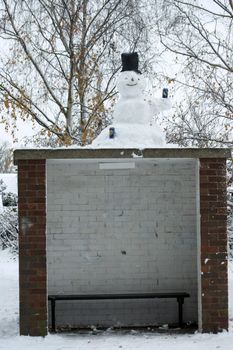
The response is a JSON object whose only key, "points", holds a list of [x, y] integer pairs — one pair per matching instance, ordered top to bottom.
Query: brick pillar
{"points": [[213, 210], [32, 247]]}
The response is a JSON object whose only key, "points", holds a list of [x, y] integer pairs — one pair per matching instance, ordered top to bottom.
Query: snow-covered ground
{"points": [[10, 180], [108, 340]]}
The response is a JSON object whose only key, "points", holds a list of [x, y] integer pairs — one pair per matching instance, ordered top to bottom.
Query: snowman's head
{"points": [[130, 84]]}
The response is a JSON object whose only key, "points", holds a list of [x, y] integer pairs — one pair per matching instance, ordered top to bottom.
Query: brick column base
{"points": [[213, 210], [32, 247]]}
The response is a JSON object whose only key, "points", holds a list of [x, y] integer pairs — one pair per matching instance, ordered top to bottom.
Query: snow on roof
{"points": [[131, 135], [10, 181]]}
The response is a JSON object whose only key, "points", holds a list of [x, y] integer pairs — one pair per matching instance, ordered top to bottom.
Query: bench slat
{"points": [[117, 296]]}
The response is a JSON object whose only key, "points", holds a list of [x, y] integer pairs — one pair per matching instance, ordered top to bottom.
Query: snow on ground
{"points": [[10, 180], [230, 282], [8, 295], [108, 340]]}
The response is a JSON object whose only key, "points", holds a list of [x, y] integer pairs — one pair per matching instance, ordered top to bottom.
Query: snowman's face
{"points": [[130, 84]]}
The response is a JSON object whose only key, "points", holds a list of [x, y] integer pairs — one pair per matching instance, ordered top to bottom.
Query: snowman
{"points": [[131, 108], [133, 114]]}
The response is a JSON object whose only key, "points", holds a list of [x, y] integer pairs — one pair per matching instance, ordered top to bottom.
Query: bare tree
{"points": [[200, 36], [60, 67]]}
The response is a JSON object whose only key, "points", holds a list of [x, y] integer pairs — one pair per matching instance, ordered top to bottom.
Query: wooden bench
{"points": [[178, 296]]}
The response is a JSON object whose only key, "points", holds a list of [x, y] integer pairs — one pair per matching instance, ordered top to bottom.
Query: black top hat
{"points": [[130, 62]]}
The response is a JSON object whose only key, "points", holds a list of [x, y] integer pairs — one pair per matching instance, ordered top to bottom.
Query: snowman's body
{"points": [[131, 107], [132, 110]]}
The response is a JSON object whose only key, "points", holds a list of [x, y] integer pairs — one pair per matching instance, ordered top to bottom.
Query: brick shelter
{"points": [[76, 207]]}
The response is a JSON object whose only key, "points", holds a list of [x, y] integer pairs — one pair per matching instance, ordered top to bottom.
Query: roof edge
{"points": [[120, 153]]}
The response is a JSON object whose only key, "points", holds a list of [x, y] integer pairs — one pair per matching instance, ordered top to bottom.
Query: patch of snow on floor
{"points": [[230, 284], [9, 308]]}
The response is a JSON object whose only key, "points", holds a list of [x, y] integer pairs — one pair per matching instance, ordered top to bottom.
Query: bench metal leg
{"points": [[180, 301], [53, 307]]}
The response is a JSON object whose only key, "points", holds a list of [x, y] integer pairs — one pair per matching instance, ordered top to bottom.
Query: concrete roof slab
{"points": [[85, 153]]}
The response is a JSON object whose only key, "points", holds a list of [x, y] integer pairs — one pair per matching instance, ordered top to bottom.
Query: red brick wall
{"points": [[213, 211], [32, 247]]}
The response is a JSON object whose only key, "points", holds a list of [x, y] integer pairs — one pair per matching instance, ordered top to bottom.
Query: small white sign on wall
{"points": [[117, 165]]}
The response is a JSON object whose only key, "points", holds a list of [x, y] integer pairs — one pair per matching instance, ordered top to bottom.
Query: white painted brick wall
{"points": [[130, 230]]}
